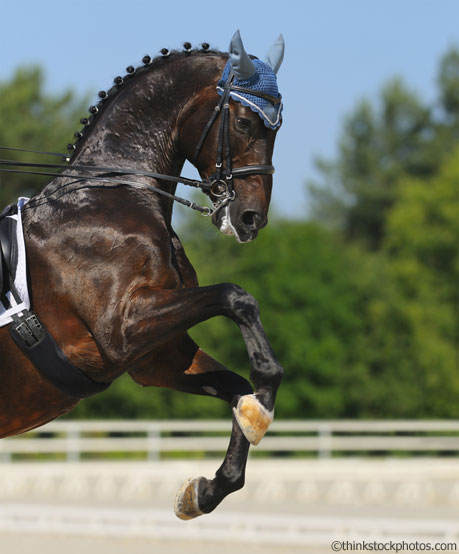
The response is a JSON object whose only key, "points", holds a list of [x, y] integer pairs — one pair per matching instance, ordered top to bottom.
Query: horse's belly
{"points": [[26, 399]]}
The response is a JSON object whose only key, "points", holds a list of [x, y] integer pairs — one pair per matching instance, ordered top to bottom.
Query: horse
{"points": [[109, 278]]}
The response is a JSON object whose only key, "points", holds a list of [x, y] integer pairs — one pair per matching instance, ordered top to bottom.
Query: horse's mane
{"points": [[106, 98]]}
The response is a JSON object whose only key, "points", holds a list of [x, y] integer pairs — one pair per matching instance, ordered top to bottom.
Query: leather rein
{"points": [[219, 187]]}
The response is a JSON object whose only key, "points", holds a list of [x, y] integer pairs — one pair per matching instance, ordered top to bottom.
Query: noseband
{"points": [[219, 187]]}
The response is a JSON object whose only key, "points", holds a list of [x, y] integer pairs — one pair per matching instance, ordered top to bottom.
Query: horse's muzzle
{"points": [[243, 225]]}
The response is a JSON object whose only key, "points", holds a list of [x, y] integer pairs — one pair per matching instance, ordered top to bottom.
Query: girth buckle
{"points": [[27, 329]]}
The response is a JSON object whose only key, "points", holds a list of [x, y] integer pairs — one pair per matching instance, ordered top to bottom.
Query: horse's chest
{"points": [[181, 264], [163, 267]]}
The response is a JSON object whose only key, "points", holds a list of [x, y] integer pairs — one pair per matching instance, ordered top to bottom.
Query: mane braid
{"points": [[111, 94]]}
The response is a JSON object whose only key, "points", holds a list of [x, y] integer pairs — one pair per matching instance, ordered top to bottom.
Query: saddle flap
{"points": [[8, 250], [1, 273]]}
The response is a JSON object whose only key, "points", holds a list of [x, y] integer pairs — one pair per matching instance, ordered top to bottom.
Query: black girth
{"points": [[29, 333]]}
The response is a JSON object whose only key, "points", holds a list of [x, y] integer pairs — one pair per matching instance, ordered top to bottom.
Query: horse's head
{"points": [[234, 123]]}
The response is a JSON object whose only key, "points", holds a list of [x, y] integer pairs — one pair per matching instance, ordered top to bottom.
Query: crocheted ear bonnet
{"points": [[256, 75]]}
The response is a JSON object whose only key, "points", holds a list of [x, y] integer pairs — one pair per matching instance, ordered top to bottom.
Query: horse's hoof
{"points": [[253, 418], [186, 502]]}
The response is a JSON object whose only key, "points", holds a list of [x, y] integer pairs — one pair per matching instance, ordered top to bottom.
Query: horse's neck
{"points": [[139, 129]]}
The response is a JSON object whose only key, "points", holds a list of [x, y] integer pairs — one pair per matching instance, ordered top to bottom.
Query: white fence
{"points": [[155, 439]]}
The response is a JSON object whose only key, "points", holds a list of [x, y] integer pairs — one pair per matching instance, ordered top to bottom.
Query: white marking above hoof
{"points": [[253, 418], [186, 501]]}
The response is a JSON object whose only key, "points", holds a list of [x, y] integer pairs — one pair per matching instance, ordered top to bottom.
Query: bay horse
{"points": [[108, 276]]}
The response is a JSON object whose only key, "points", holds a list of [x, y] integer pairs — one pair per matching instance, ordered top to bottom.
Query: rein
{"points": [[219, 185]]}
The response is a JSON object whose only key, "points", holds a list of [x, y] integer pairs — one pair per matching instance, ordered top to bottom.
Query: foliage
{"points": [[31, 118], [399, 136], [394, 189], [421, 243], [294, 269], [360, 333]]}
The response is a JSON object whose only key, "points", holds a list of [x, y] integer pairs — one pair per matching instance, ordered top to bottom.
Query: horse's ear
{"points": [[275, 54], [241, 63]]}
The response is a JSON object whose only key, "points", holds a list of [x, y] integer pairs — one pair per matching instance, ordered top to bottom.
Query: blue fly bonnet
{"points": [[256, 75]]}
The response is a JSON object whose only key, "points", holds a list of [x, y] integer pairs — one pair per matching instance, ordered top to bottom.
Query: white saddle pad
{"points": [[20, 280]]}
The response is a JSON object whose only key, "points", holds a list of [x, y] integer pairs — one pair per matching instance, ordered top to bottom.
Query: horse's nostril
{"points": [[250, 218]]}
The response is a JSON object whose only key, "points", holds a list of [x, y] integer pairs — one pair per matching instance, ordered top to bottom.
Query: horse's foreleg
{"points": [[161, 315], [154, 317], [182, 366], [254, 413], [201, 495]]}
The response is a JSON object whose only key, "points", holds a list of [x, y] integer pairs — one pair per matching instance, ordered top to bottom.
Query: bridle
{"points": [[221, 182], [219, 187]]}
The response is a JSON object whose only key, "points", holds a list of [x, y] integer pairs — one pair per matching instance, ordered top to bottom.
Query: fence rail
{"points": [[154, 439]]}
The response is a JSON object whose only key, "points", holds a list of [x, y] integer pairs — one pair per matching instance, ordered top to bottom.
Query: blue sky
{"points": [[337, 51]]}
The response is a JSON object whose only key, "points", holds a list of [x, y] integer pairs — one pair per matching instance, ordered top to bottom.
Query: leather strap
{"points": [[273, 99], [206, 130], [253, 170], [108, 171], [34, 202], [52, 363]]}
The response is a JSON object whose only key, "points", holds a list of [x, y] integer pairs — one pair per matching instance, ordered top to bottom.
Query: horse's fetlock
{"points": [[231, 480]]}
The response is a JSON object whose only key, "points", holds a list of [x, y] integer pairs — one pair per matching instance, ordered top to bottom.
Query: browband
{"points": [[273, 99]]}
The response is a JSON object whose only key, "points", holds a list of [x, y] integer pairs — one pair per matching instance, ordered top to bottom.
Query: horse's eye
{"points": [[243, 123]]}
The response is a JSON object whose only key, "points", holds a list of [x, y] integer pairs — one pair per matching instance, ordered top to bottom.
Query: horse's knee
{"points": [[240, 305]]}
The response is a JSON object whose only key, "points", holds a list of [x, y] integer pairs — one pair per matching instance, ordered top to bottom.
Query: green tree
{"points": [[448, 82], [32, 118], [398, 136], [394, 191], [422, 245]]}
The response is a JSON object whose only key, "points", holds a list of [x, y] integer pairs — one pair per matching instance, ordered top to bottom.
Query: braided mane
{"points": [[132, 73]]}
